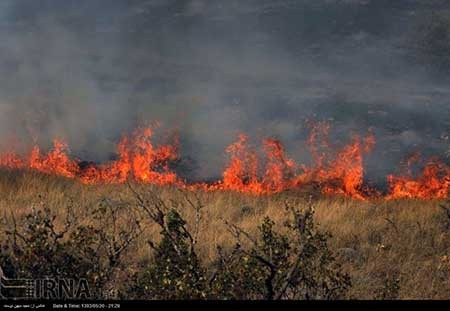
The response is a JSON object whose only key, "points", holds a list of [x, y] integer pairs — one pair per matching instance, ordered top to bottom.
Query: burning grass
{"points": [[251, 170], [398, 247]]}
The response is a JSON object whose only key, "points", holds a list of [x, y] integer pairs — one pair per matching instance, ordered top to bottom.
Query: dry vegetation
{"points": [[395, 249]]}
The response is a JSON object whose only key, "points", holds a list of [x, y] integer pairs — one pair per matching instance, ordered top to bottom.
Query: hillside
{"points": [[398, 249]]}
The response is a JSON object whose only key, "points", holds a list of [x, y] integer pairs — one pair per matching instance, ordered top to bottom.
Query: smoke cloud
{"points": [[88, 70]]}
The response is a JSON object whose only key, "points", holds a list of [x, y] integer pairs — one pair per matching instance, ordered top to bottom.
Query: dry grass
{"points": [[377, 241]]}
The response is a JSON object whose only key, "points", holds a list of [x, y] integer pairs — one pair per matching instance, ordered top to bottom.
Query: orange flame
{"points": [[138, 158], [11, 160], [55, 162], [251, 170], [242, 173], [341, 174], [432, 183]]}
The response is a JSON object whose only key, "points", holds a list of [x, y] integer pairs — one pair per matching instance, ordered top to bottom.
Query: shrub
{"points": [[77, 251], [296, 264], [279, 266], [175, 272]]}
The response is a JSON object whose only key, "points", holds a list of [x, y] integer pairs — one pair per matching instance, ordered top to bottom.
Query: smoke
{"points": [[87, 70]]}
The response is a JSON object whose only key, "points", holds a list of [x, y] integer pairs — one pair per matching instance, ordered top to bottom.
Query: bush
{"points": [[77, 251], [273, 265], [279, 266], [175, 272]]}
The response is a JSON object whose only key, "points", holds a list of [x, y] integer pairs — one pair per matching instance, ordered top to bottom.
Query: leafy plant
{"points": [[38, 250], [277, 266], [176, 272]]}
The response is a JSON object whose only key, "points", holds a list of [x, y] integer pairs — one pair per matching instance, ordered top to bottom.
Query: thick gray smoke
{"points": [[87, 70]]}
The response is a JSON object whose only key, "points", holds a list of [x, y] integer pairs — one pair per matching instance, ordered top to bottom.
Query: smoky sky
{"points": [[88, 70]]}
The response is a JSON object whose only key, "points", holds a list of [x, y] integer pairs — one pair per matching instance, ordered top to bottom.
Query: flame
{"points": [[138, 159], [11, 160], [55, 162], [266, 169], [280, 170], [243, 172], [339, 174], [344, 174], [432, 183]]}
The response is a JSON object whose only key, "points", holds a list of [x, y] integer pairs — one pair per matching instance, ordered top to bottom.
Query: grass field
{"points": [[400, 248]]}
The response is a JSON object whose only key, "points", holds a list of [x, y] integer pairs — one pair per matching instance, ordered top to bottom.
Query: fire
{"points": [[138, 158], [11, 160], [55, 162], [262, 170], [280, 170], [243, 174], [339, 174], [342, 174], [345, 174], [432, 183]]}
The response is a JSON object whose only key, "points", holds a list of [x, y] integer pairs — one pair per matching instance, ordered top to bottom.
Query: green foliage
{"points": [[77, 251], [40, 252], [294, 263], [296, 266], [175, 272], [252, 273], [318, 275]]}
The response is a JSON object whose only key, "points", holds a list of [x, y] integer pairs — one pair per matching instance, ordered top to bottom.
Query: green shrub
{"points": [[38, 250], [296, 264], [277, 266], [176, 272]]}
